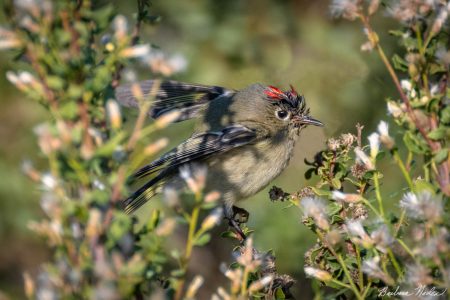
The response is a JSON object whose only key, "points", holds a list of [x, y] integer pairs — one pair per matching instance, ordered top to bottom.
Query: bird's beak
{"points": [[307, 120]]}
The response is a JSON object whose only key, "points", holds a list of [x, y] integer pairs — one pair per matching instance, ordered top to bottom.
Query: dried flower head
{"points": [[348, 9], [443, 56], [394, 109], [347, 139], [333, 144], [363, 158], [195, 176], [423, 206], [315, 208], [358, 233], [381, 238], [436, 245], [372, 268], [418, 275]]}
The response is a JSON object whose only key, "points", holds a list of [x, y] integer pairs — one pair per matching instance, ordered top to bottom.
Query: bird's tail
{"points": [[142, 195]]}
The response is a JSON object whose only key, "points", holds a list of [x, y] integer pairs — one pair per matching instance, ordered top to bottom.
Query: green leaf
{"points": [[397, 33], [399, 63], [55, 82], [69, 110], [445, 115], [438, 134], [413, 143], [108, 148], [441, 156], [308, 173], [336, 182], [422, 185], [320, 192], [333, 208], [202, 240], [279, 294]]}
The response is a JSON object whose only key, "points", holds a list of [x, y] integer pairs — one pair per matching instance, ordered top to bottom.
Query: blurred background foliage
{"points": [[230, 43]]}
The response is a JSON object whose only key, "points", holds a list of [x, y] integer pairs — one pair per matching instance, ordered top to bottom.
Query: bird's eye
{"points": [[282, 114]]}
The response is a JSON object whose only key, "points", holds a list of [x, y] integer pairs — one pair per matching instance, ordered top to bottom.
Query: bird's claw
{"points": [[238, 217]]}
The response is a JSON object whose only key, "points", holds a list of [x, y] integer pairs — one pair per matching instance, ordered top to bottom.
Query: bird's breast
{"points": [[243, 172]]}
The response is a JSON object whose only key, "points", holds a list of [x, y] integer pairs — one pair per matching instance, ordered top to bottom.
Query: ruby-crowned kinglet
{"points": [[245, 138]]}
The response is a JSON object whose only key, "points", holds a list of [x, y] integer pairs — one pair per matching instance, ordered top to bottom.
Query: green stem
{"points": [[402, 167], [405, 173], [378, 194], [366, 202], [193, 220], [192, 225], [406, 248], [395, 264], [347, 274], [360, 274], [244, 282], [338, 282], [353, 286], [364, 295]]}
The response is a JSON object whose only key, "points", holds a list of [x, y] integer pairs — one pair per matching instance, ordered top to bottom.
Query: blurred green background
{"points": [[230, 43]]}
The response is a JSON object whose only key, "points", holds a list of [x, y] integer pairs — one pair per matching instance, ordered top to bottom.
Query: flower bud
{"points": [[114, 115], [212, 219], [318, 274]]}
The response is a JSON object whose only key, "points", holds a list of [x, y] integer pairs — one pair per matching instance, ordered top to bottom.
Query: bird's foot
{"points": [[239, 216]]}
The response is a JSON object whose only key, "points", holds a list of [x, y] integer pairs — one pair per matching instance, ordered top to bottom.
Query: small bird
{"points": [[245, 138]]}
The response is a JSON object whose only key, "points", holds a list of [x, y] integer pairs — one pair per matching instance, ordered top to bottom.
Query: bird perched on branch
{"points": [[246, 138]]}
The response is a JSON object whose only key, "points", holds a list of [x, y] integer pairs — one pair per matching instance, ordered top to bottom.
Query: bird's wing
{"points": [[173, 95], [196, 148]]}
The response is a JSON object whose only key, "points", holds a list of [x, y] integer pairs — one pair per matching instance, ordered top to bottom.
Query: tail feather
{"points": [[142, 195]]}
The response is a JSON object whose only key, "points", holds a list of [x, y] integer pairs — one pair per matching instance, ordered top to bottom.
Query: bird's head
{"points": [[288, 109]]}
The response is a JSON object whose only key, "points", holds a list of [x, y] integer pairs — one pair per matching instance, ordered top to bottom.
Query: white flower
{"points": [[344, 8], [120, 26], [136, 51], [407, 87], [394, 109], [114, 115], [383, 128], [385, 138], [374, 141], [363, 158], [48, 181], [349, 198], [422, 206], [315, 208], [212, 219], [360, 236], [382, 238], [372, 268], [318, 274], [418, 275], [196, 283], [260, 284]]}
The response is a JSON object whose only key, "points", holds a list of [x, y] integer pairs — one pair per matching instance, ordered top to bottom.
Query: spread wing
{"points": [[173, 95], [196, 148]]}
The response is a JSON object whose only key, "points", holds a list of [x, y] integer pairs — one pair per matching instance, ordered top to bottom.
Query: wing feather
{"points": [[186, 97], [196, 148]]}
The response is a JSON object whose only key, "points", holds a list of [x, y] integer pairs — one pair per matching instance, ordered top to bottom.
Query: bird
{"points": [[245, 137]]}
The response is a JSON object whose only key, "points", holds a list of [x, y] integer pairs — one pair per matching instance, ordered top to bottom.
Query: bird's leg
{"points": [[230, 215]]}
